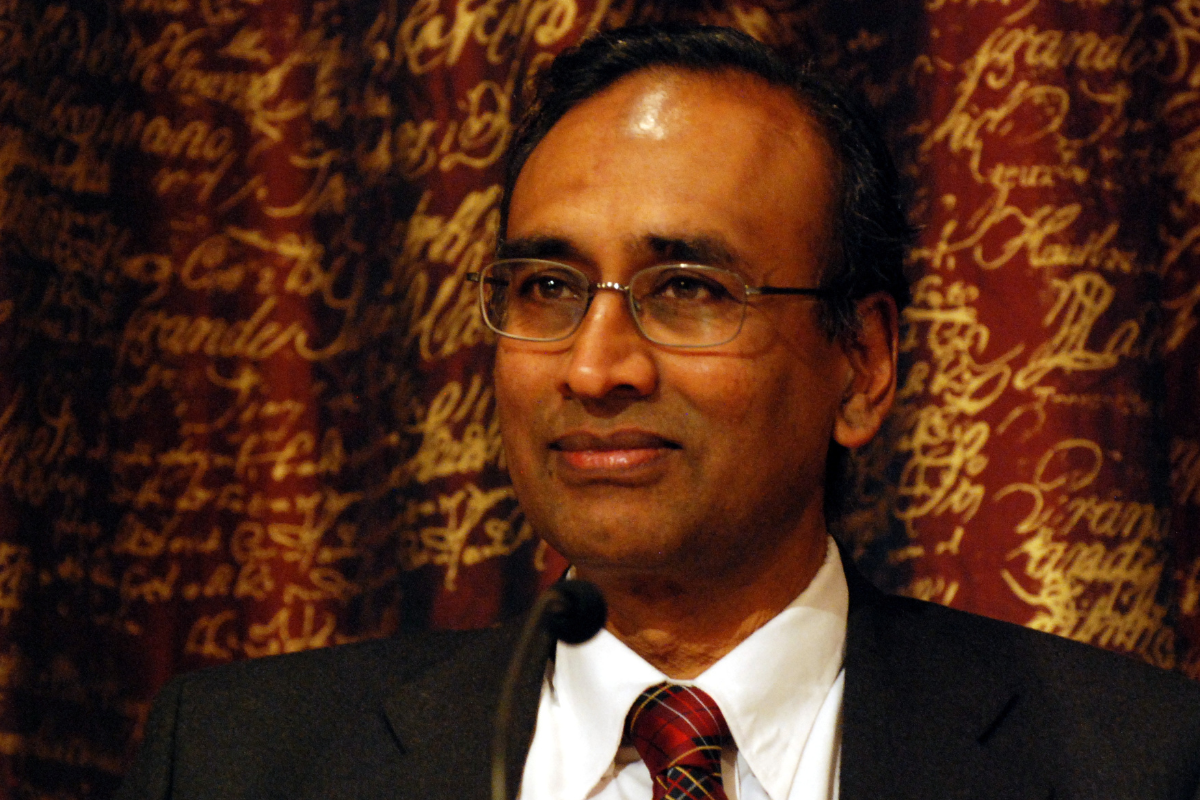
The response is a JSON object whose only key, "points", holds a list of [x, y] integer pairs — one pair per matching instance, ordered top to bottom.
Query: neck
{"points": [[674, 623]]}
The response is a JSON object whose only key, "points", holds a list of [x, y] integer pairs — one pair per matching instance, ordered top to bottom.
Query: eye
{"points": [[548, 286], [690, 286]]}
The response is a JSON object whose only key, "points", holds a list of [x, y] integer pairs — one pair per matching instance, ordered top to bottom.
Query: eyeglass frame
{"points": [[815, 293]]}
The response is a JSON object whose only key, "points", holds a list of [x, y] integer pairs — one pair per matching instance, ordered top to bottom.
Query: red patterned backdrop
{"points": [[244, 394]]}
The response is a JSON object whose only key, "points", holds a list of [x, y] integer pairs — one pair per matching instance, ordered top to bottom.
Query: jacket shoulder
{"points": [[933, 634], [340, 676], [1095, 723], [296, 725]]}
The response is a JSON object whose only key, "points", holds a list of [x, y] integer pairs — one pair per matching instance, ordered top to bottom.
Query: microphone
{"points": [[572, 611], [575, 611]]}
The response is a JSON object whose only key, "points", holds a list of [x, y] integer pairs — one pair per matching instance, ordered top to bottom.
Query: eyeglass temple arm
{"points": [[477, 277], [752, 290]]}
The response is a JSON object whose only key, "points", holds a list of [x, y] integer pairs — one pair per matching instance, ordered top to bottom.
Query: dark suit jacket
{"points": [[938, 704]]}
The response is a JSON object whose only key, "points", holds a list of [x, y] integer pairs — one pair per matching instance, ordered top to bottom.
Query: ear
{"points": [[871, 383]]}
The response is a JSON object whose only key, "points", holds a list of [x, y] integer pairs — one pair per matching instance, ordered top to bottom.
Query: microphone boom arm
{"points": [[573, 611]]}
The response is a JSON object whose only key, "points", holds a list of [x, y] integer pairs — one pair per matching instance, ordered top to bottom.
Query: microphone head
{"points": [[577, 612]]}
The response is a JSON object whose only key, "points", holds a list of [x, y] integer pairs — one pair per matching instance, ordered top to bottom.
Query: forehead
{"points": [[723, 157]]}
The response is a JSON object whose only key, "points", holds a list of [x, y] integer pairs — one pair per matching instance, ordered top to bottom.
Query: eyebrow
{"points": [[552, 248], [708, 250]]}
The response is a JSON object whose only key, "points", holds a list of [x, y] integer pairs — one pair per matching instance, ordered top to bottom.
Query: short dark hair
{"points": [[871, 231]]}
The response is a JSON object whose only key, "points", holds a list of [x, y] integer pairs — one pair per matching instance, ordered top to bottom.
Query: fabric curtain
{"points": [[245, 404]]}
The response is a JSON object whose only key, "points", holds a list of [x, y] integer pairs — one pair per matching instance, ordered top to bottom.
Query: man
{"points": [[697, 297]]}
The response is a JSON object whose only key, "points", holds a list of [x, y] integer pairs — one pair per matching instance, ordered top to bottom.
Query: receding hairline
{"points": [[722, 73], [731, 76]]}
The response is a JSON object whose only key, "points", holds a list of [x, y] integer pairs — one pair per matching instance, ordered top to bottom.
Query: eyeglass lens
{"points": [[674, 304]]}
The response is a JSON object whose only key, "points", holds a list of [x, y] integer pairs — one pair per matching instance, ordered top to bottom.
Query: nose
{"points": [[608, 356]]}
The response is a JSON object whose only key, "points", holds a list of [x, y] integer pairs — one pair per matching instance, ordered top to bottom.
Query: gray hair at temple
{"points": [[871, 231]]}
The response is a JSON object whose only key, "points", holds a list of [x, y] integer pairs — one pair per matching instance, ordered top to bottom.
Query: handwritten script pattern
{"points": [[244, 395]]}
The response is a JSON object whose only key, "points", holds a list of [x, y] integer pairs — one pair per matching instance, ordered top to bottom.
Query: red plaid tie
{"points": [[679, 732]]}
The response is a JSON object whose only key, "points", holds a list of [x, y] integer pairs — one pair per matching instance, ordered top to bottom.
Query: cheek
{"points": [[516, 371], [720, 391], [808, 401], [516, 404], [767, 405]]}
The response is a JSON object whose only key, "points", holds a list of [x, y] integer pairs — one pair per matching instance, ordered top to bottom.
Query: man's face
{"points": [[633, 457]]}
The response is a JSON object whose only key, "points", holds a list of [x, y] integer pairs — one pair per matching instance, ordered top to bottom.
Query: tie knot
{"points": [[679, 733]]}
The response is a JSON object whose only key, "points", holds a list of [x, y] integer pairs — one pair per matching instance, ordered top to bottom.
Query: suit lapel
{"points": [[926, 713], [442, 718]]}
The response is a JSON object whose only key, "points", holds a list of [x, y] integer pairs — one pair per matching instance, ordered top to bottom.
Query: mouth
{"points": [[617, 453]]}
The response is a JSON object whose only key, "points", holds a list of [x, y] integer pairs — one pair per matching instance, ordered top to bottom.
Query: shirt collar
{"points": [[769, 688]]}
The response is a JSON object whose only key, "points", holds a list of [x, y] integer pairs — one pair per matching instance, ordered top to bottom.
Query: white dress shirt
{"points": [[780, 691]]}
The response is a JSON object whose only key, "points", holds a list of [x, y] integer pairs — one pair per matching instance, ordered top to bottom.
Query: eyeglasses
{"points": [[677, 305]]}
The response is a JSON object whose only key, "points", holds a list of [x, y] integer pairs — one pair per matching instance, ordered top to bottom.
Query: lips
{"points": [[613, 453]]}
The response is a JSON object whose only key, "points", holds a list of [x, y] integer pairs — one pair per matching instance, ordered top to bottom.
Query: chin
{"points": [[601, 551], [628, 560]]}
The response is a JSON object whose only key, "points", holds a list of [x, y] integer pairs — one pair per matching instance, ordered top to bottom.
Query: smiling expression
{"points": [[633, 457]]}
